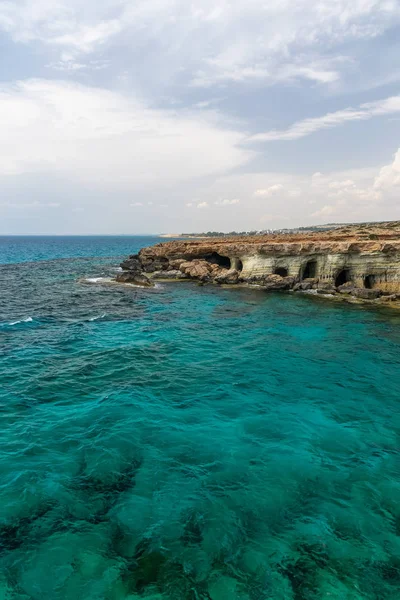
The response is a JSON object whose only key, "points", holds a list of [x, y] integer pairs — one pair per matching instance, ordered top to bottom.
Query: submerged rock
{"points": [[226, 588]]}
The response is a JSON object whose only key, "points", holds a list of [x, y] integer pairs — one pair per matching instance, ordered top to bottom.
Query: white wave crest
{"points": [[96, 279], [97, 318], [27, 320]]}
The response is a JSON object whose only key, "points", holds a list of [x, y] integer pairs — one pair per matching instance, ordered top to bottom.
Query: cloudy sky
{"points": [[170, 115]]}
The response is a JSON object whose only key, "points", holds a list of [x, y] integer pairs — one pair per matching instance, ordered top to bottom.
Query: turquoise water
{"points": [[191, 442]]}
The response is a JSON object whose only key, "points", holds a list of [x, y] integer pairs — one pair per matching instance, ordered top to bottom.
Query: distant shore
{"points": [[189, 236]]}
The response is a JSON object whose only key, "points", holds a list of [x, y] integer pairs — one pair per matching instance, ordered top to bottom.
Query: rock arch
{"points": [[237, 264]]}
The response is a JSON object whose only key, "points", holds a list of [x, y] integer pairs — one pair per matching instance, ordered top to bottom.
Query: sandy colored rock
{"points": [[361, 261]]}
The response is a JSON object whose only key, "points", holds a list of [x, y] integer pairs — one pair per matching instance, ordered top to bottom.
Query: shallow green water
{"points": [[192, 442]]}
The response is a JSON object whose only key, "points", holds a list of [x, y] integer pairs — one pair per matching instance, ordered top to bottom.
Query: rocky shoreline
{"points": [[356, 263]]}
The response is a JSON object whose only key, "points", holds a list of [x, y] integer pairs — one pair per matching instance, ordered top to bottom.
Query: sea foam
{"points": [[97, 279], [27, 320]]}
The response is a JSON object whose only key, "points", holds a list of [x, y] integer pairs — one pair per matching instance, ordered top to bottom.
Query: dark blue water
{"points": [[15, 249], [191, 442]]}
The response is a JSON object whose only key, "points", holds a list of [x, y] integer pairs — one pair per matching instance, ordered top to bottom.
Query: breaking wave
{"points": [[97, 280], [97, 318], [27, 320]]}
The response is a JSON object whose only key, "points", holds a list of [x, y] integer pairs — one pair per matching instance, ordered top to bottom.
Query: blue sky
{"points": [[169, 116]]}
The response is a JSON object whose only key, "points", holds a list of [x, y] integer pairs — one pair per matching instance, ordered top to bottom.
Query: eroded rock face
{"points": [[361, 261], [132, 264], [133, 273], [172, 274], [227, 277], [134, 278], [276, 282], [305, 285]]}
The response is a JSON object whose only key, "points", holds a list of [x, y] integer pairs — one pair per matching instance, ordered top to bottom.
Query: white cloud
{"points": [[58, 22], [87, 37], [245, 41], [69, 65], [318, 72], [207, 103], [335, 119], [100, 137], [85, 142], [389, 176], [339, 185], [269, 191], [341, 196], [227, 202], [137, 204], [189, 204], [24, 205], [329, 210]]}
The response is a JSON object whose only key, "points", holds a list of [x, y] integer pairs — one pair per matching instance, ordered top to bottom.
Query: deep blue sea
{"points": [[191, 443]]}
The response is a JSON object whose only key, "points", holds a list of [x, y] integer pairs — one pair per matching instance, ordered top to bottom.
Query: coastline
{"points": [[356, 263]]}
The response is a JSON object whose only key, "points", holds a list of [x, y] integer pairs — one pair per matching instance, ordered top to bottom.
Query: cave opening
{"points": [[217, 259], [239, 265], [310, 270], [282, 271], [342, 277], [369, 282]]}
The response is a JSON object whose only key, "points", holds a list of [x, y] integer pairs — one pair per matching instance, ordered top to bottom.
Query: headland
{"points": [[356, 262]]}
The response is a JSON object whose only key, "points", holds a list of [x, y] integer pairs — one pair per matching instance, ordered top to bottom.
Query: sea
{"points": [[187, 442]]}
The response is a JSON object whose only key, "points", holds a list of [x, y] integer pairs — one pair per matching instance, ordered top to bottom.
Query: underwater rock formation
{"points": [[362, 261]]}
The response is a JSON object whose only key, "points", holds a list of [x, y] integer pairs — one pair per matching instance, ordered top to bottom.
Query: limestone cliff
{"points": [[350, 259]]}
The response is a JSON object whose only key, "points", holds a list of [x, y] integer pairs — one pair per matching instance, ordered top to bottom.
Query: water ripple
{"points": [[194, 442]]}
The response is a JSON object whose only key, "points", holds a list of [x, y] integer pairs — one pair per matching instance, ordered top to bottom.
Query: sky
{"points": [[168, 116]]}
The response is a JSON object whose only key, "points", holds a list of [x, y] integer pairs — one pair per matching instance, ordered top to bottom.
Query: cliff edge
{"points": [[358, 260]]}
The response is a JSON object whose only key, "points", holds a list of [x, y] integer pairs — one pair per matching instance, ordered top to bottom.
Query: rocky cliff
{"points": [[358, 260]]}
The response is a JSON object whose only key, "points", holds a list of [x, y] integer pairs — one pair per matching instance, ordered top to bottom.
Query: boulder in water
{"points": [[134, 277], [276, 282], [366, 294]]}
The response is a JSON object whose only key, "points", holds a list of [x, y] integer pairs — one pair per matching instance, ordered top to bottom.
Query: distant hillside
{"points": [[356, 227]]}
